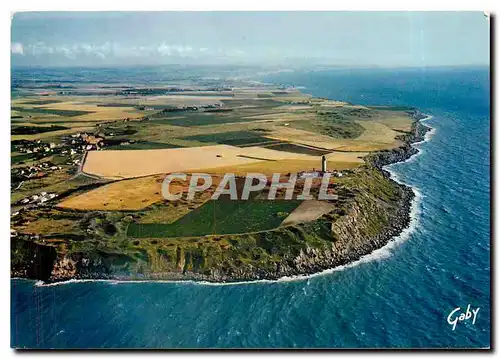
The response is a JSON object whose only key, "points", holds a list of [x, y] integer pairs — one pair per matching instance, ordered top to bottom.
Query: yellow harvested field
{"points": [[180, 100], [332, 103], [294, 107], [97, 112], [283, 116], [398, 123], [376, 136], [350, 157], [137, 163], [283, 166], [130, 194], [134, 194]]}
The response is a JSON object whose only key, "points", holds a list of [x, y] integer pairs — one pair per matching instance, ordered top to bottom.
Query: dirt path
{"points": [[308, 211]]}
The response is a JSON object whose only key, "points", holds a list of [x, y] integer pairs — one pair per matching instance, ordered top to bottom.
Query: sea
{"points": [[401, 296]]}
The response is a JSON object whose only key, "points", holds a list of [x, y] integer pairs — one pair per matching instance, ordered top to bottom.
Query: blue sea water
{"points": [[399, 297]]}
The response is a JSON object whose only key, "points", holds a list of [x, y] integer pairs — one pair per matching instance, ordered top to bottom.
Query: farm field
{"points": [[77, 110], [50, 111], [203, 119], [51, 134], [376, 135], [234, 138], [141, 145], [290, 147], [338, 161], [136, 163], [127, 164], [130, 195], [220, 217]]}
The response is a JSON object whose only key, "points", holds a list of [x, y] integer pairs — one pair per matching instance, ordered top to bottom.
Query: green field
{"points": [[41, 102], [115, 104], [49, 111], [204, 119], [336, 124], [30, 130], [233, 138], [142, 145], [290, 147], [21, 158], [220, 217]]}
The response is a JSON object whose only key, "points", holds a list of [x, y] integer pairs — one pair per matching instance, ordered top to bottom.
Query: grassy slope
{"points": [[219, 217]]}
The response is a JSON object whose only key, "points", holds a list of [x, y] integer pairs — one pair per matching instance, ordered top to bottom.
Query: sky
{"points": [[356, 39]]}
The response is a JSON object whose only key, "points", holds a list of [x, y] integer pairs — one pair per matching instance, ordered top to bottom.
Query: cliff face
{"points": [[400, 154], [376, 211], [354, 234], [31, 260]]}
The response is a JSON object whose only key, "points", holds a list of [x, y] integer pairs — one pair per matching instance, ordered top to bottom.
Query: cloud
{"points": [[17, 48], [164, 50], [177, 50], [110, 51]]}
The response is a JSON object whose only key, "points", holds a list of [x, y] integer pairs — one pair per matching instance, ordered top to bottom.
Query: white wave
{"points": [[427, 137], [377, 255], [69, 281], [134, 281]]}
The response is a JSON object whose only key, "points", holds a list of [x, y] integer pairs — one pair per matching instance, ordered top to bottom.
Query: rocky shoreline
{"points": [[350, 244], [313, 261]]}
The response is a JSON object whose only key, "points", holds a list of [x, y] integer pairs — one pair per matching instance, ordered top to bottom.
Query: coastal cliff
{"points": [[373, 211]]}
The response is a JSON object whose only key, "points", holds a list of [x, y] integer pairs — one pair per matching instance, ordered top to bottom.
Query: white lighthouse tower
{"points": [[323, 164]]}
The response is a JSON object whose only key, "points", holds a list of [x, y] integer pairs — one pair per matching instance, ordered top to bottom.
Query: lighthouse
{"points": [[323, 164]]}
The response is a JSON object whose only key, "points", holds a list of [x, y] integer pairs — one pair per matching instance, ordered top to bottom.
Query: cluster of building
{"points": [[304, 102], [215, 105], [178, 109], [80, 142], [70, 145], [26, 146], [19, 174], [318, 174], [38, 199], [26, 237]]}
